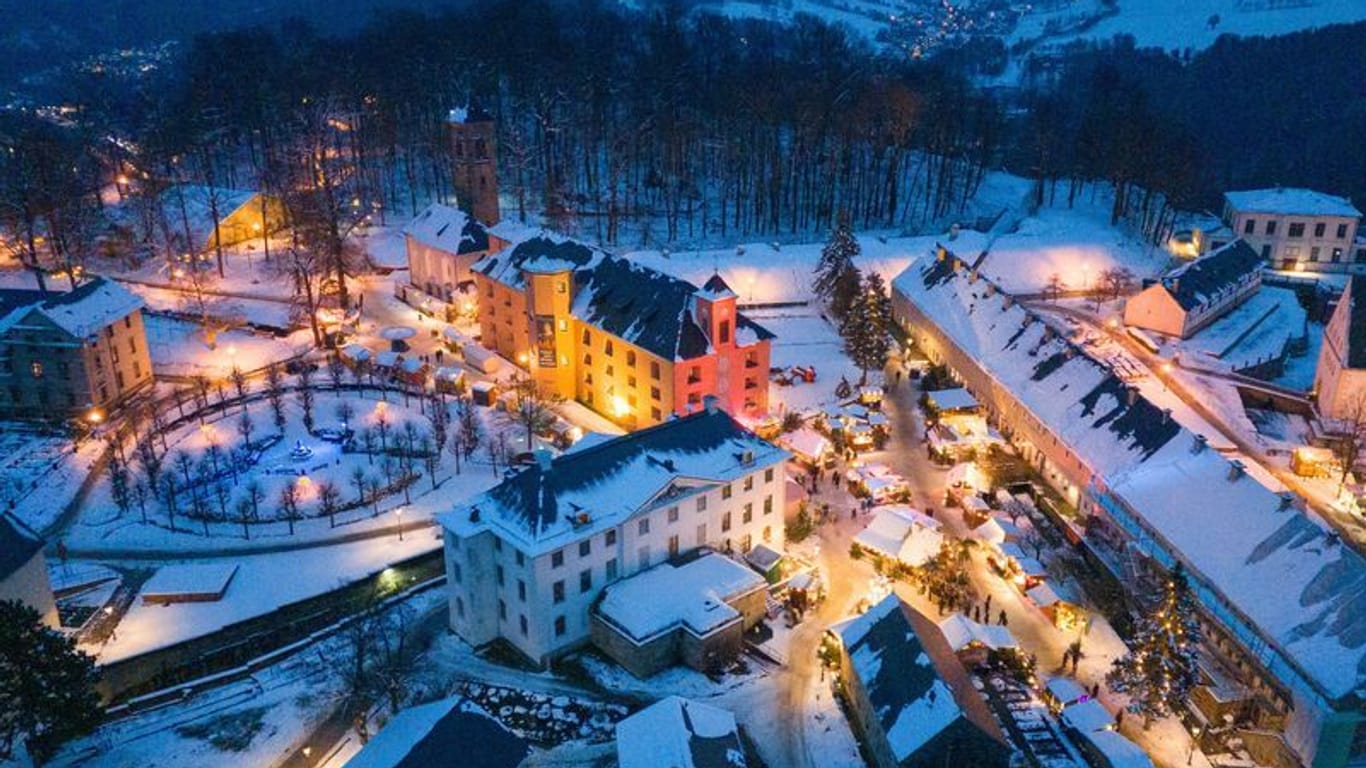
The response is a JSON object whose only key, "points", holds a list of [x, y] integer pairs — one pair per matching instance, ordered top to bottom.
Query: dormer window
{"points": [[724, 332]]}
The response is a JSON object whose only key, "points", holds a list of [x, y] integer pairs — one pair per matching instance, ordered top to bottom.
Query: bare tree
{"points": [[533, 408], [329, 500], [289, 505]]}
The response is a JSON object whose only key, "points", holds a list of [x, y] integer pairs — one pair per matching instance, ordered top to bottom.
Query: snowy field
{"points": [[1077, 244], [1256, 330], [805, 338], [178, 348], [40, 474]]}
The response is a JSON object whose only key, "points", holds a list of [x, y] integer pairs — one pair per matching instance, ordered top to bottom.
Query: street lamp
{"points": [[1195, 737]]}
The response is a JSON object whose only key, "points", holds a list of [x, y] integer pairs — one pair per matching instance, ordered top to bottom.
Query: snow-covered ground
{"points": [[1076, 244], [1257, 330], [805, 338], [178, 348], [40, 474]]}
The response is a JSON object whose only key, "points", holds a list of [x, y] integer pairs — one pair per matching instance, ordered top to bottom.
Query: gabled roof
{"points": [[1291, 200], [194, 205], [448, 229], [1200, 281], [716, 288], [1355, 296], [645, 307], [80, 312], [542, 509], [18, 545], [1277, 571], [919, 692], [436, 733], [679, 733]]}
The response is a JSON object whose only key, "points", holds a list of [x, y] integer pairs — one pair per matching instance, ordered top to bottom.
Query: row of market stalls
{"points": [[956, 428]]}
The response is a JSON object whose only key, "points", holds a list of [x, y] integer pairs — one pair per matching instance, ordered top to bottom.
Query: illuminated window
{"points": [[36, 368]]}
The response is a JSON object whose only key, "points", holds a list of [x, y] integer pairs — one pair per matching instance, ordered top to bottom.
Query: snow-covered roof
{"points": [[1290, 200], [193, 206], [448, 229], [1211, 276], [646, 307], [82, 312], [955, 399], [807, 443], [591, 489], [989, 531], [901, 533], [18, 545], [1273, 569], [189, 579], [697, 591], [1045, 595], [960, 632], [917, 688], [1065, 689], [1087, 716], [680, 733], [433, 734], [1119, 752]]}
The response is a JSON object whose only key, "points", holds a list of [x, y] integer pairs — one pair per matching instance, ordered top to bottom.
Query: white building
{"points": [[1297, 229], [442, 243], [1198, 292], [1340, 378], [526, 560], [23, 569], [680, 733]]}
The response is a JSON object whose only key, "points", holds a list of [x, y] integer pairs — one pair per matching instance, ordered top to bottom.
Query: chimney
{"points": [[1130, 394], [711, 403], [1166, 415], [1199, 443], [543, 459], [1235, 470], [1287, 500], [474, 514]]}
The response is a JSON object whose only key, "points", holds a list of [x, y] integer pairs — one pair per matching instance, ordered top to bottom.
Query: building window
{"points": [[1249, 226], [1271, 226], [1296, 229], [1319, 229], [1342, 231], [1292, 252], [1314, 253], [1337, 255], [561, 287], [563, 324], [725, 332], [587, 337], [607, 348], [630, 358], [36, 368], [610, 370], [654, 370], [694, 374], [630, 382], [654, 393], [656, 414], [768, 475], [749, 482], [725, 491], [701, 503], [768, 505], [673, 514], [747, 515], [725, 522], [643, 526], [768, 533], [701, 534], [611, 538], [746, 543], [497, 545], [673, 545], [585, 547], [643, 557], [557, 558], [521, 559], [611, 570], [457, 573], [498, 574], [585, 580], [521, 590], [557, 591], [460, 607], [502, 610], [521, 622], [559, 626]]}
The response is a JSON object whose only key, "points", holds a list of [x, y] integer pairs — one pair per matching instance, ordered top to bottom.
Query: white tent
{"points": [[901, 533], [961, 632]]}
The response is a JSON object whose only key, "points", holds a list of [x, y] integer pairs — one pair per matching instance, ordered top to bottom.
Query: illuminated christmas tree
{"points": [[1160, 669]]}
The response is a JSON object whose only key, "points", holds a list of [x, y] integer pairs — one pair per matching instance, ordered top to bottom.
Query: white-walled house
{"points": [[1298, 229], [442, 243], [1197, 293], [1340, 379], [526, 560], [23, 569]]}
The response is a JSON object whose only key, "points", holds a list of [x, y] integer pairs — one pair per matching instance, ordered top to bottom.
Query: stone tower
{"points": [[474, 160]]}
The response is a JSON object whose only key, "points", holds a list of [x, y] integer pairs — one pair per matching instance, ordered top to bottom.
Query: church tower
{"points": [[475, 162]]}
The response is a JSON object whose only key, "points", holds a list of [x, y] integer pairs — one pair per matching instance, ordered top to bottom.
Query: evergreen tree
{"points": [[837, 258], [848, 285], [867, 325], [1160, 669], [47, 687]]}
